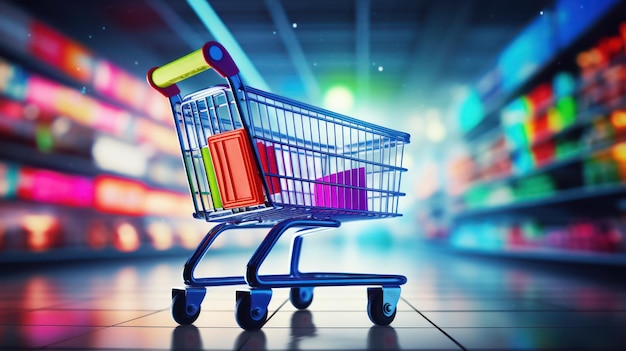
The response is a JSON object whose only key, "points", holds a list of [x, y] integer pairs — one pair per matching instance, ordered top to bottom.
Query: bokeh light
{"points": [[339, 99]]}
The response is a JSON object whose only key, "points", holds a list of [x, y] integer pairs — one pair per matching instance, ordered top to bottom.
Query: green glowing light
{"points": [[339, 99]]}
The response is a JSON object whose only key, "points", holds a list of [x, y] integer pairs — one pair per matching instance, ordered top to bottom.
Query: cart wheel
{"points": [[301, 298], [182, 313], [380, 313], [247, 318]]}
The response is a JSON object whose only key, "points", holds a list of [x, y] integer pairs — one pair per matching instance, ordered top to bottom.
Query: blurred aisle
{"points": [[517, 123], [449, 302]]}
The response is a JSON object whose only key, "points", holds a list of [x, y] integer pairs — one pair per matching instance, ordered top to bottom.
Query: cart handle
{"points": [[211, 55]]}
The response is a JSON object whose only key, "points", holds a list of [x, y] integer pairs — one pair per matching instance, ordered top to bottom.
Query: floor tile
{"points": [[350, 298], [127, 302], [449, 302], [459, 304], [92, 318], [216, 319], [344, 319], [526, 319], [36, 336], [154, 338], [372, 338], [569, 339]]}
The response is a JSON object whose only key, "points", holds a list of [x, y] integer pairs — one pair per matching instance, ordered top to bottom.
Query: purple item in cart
{"points": [[349, 193]]}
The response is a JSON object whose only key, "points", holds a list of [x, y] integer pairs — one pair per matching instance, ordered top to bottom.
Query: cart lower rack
{"points": [[255, 159]]}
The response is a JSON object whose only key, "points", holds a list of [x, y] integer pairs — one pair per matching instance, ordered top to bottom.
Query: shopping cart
{"points": [[255, 159]]}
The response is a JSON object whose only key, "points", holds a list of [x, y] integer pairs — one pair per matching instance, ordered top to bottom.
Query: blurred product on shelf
{"points": [[34, 40], [45, 96], [89, 163], [545, 166], [108, 194], [39, 209], [56, 233], [597, 235]]}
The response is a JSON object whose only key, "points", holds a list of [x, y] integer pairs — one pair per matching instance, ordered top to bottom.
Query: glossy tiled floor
{"points": [[450, 302]]}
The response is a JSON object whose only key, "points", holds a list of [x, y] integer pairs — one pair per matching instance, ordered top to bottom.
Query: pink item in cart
{"points": [[349, 193]]}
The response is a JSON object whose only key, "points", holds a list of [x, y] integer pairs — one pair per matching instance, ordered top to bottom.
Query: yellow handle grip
{"points": [[211, 55], [180, 69]]}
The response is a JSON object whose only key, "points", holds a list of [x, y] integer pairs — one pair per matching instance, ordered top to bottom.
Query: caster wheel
{"points": [[301, 298], [182, 313], [380, 313], [246, 317]]}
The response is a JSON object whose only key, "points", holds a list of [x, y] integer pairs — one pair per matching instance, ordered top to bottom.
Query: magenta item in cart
{"points": [[349, 193]]}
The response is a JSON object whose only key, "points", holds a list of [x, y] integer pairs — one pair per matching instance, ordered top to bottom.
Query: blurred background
{"points": [[516, 110]]}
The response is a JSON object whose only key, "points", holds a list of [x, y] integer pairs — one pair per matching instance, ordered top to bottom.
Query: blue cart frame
{"points": [[328, 168]]}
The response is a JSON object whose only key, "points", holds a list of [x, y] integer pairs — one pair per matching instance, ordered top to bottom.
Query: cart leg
{"points": [[296, 249], [191, 264], [252, 273], [300, 297]]}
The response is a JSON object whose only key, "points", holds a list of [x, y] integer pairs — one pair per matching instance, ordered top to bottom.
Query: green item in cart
{"points": [[210, 175]]}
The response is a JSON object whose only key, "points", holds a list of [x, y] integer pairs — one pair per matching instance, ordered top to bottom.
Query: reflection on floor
{"points": [[450, 302]]}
